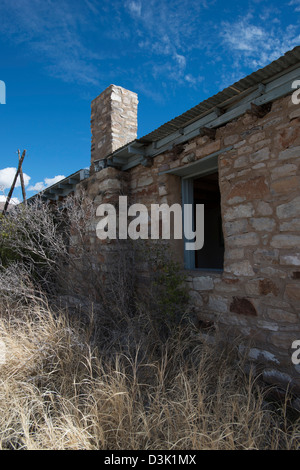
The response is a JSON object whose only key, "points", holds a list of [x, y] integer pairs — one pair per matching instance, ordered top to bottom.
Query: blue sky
{"points": [[57, 55]]}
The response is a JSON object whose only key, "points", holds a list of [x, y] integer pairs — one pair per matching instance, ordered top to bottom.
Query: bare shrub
{"points": [[30, 236], [51, 244], [46, 253]]}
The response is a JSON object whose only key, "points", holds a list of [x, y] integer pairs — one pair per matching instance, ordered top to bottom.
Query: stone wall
{"points": [[257, 295]]}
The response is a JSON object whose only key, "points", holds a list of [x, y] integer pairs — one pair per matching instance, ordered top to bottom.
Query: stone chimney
{"points": [[113, 121]]}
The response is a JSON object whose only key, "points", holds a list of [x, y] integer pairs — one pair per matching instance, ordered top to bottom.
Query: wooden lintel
{"points": [[208, 131]]}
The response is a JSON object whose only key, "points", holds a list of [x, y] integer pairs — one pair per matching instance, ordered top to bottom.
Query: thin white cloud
{"points": [[296, 4], [92, 6], [135, 7], [52, 31], [168, 32], [243, 37], [256, 45], [181, 60], [193, 80], [7, 176], [56, 179], [41, 185], [37, 187], [14, 200]]}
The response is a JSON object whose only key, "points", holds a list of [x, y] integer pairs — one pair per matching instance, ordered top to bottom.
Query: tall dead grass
{"points": [[119, 375], [58, 392]]}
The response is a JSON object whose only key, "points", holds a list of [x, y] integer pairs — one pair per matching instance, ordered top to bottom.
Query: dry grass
{"points": [[127, 380], [56, 392]]}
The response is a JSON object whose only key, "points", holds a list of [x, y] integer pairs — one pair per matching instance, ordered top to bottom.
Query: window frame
{"points": [[204, 167], [188, 173]]}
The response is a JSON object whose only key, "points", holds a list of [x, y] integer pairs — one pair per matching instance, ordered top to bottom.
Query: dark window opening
{"points": [[206, 191]]}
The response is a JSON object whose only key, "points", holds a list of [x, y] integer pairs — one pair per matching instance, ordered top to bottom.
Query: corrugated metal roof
{"points": [[263, 75]]}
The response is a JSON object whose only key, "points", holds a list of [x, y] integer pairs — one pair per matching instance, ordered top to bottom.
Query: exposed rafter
{"points": [[63, 188]]}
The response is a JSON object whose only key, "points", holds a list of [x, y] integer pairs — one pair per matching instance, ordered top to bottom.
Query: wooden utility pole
{"points": [[21, 159], [22, 180]]}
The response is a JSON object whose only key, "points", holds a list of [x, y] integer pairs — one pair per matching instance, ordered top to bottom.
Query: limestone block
{"points": [[256, 137], [231, 139], [262, 143], [208, 148], [245, 150], [293, 152], [260, 155], [241, 162], [288, 169], [145, 180], [286, 185], [253, 188], [162, 190], [264, 208], [290, 209], [239, 212], [263, 224], [236, 226], [290, 226], [245, 239], [285, 241], [234, 253], [265, 255], [290, 260], [240, 268], [203, 283], [292, 292], [196, 299], [217, 303], [282, 316], [262, 355], [275, 376]]}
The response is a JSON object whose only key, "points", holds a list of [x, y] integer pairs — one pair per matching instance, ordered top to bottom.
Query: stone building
{"points": [[238, 153]]}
